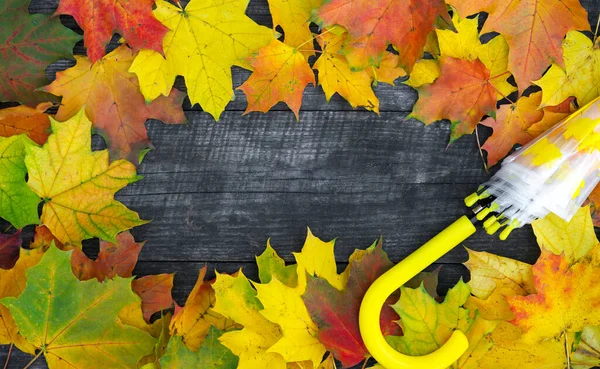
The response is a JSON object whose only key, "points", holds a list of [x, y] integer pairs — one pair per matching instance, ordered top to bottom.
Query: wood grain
{"points": [[217, 190]]}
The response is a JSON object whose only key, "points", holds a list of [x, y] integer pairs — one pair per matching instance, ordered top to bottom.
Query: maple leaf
{"points": [[293, 16], [100, 19], [373, 25], [534, 30], [203, 42], [30, 43], [424, 72], [280, 74], [335, 75], [580, 76], [472, 86], [463, 94], [111, 98], [23, 119], [519, 123], [18, 203], [78, 203], [573, 239], [10, 247], [317, 258], [114, 259], [271, 265], [490, 272], [494, 277], [12, 283], [155, 291], [236, 300], [565, 300], [283, 306], [336, 312], [192, 322], [427, 324], [85, 331], [509, 352], [210, 355]]}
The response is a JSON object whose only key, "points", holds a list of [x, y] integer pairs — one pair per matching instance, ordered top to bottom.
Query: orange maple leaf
{"points": [[374, 24], [534, 30], [280, 74], [463, 94], [113, 102], [23, 119], [567, 298]]}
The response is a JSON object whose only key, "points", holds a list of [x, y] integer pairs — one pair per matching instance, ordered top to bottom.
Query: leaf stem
{"points": [[596, 31], [315, 37], [485, 167], [8, 228], [10, 348], [567, 351], [33, 360], [365, 363]]}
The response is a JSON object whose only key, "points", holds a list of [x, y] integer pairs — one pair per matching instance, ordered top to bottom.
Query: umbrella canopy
{"points": [[554, 173]]}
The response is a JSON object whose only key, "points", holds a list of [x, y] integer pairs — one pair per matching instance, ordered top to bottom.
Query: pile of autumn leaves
{"points": [[359, 44], [58, 303], [93, 314]]}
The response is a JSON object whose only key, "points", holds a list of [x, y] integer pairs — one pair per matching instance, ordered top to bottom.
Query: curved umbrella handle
{"points": [[389, 282]]}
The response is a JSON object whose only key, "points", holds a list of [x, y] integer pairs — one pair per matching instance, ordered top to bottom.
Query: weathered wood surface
{"points": [[215, 191]]}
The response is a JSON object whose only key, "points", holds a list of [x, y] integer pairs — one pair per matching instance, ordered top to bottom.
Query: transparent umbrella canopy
{"points": [[555, 173]]}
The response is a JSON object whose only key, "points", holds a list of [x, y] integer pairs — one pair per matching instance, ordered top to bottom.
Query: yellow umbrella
{"points": [[555, 173]]}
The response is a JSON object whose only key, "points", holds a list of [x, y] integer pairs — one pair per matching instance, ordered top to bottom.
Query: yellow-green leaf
{"points": [[77, 185], [574, 239], [74, 322]]}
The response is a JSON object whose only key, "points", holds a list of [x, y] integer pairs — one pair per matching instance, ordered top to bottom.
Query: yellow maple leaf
{"points": [[293, 16], [204, 41], [424, 72], [280, 74], [336, 76], [580, 76], [77, 185], [573, 239], [317, 259], [490, 272], [12, 283], [236, 300], [283, 305], [509, 352]]}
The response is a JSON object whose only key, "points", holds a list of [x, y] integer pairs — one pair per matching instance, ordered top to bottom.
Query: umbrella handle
{"points": [[389, 282]]}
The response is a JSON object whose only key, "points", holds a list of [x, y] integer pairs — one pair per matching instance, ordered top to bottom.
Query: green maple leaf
{"points": [[28, 44], [18, 203], [75, 324], [211, 354]]}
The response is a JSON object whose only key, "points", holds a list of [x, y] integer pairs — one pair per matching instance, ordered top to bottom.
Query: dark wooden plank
{"points": [[217, 191]]}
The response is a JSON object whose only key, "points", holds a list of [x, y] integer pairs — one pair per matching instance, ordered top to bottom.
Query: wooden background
{"points": [[215, 191]]}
